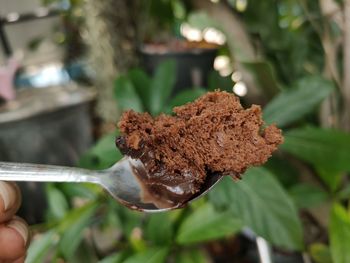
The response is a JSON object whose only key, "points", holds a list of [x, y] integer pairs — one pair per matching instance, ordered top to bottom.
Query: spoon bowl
{"points": [[123, 181]]}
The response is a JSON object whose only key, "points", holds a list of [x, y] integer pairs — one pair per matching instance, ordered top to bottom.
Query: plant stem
{"points": [[242, 50], [345, 89], [329, 113]]}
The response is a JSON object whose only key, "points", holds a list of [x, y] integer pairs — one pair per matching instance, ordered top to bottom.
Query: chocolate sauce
{"points": [[162, 188]]}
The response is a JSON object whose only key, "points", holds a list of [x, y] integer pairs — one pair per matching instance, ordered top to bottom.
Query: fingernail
{"points": [[8, 195], [21, 229]]}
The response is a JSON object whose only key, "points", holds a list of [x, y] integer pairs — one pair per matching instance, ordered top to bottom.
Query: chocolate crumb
{"points": [[213, 134]]}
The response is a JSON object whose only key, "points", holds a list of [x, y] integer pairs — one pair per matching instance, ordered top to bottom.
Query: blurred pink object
{"points": [[7, 74]]}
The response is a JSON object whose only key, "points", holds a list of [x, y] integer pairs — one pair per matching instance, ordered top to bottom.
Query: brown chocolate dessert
{"points": [[213, 134]]}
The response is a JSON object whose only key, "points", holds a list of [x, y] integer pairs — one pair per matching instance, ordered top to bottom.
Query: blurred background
{"points": [[69, 68]]}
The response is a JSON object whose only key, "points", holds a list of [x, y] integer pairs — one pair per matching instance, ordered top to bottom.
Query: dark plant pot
{"points": [[193, 65], [48, 126], [244, 249]]}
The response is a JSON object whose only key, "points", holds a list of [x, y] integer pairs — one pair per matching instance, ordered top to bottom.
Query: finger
{"points": [[10, 200], [14, 236], [20, 260]]}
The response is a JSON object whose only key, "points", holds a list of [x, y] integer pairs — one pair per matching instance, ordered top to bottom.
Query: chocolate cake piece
{"points": [[213, 134]]}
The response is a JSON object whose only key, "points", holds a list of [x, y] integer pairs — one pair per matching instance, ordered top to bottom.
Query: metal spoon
{"points": [[121, 180]]}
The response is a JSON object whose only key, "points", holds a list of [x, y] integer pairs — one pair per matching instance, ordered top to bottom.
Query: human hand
{"points": [[14, 234]]}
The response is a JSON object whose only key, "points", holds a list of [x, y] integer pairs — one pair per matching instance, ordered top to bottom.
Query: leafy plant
{"points": [[139, 92], [309, 171], [263, 205], [340, 231]]}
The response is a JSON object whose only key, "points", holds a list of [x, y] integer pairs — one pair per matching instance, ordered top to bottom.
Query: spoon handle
{"points": [[45, 173]]}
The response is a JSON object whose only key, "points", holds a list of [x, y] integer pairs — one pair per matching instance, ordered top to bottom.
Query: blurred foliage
{"points": [[69, 32], [137, 91], [300, 100], [307, 195], [269, 200], [249, 201], [339, 234], [320, 253]]}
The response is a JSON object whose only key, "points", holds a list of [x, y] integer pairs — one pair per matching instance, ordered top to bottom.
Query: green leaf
{"points": [[179, 9], [161, 12], [202, 20], [265, 76], [215, 81], [142, 85], [162, 86], [126, 95], [184, 97], [291, 105], [328, 150], [103, 155], [281, 167], [330, 177], [78, 190], [344, 194], [307, 196], [57, 202], [263, 205], [111, 218], [129, 219], [206, 224], [72, 228], [159, 229], [340, 234], [40, 247], [85, 253], [320, 253], [152, 255], [192, 256], [114, 258]]}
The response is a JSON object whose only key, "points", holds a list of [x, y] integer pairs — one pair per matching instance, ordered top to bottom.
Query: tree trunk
{"points": [[332, 13], [111, 34], [345, 89]]}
